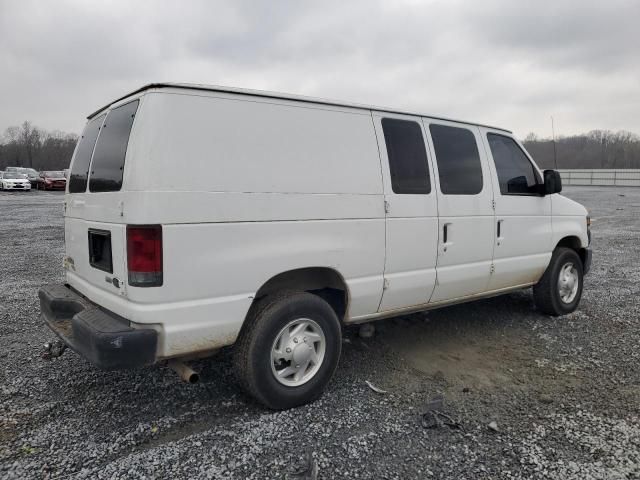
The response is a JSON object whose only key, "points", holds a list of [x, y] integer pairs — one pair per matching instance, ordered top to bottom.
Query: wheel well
{"points": [[574, 244], [324, 282]]}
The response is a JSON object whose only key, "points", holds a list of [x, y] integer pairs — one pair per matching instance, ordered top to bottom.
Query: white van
{"points": [[202, 217]]}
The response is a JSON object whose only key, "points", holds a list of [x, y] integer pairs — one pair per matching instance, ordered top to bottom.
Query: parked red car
{"points": [[51, 180]]}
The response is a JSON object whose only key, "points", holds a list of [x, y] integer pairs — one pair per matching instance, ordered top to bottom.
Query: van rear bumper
{"points": [[102, 337]]}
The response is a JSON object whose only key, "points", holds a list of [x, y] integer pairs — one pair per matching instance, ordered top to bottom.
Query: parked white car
{"points": [[30, 173], [14, 181], [297, 216]]}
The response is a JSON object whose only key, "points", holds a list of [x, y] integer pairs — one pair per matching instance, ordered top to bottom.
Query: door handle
{"points": [[77, 203], [499, 231], [446, 236]]}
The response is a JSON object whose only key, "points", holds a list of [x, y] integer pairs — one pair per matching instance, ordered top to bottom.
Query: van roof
{"points": [[282, 96]]}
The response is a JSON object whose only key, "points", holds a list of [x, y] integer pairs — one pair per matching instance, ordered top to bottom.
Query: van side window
{"points": [[407, 156], [108, 159], [459, 167], [80, 170], [516, 174]]}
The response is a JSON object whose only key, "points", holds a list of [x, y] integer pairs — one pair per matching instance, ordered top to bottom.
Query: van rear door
{"points": [[95, 234]]}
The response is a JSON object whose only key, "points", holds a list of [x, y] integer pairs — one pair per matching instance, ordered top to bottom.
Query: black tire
{"points": [[546, 293], [253, 348]]}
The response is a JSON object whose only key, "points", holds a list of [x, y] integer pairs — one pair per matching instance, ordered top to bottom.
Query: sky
{"points": [[513, 64]]}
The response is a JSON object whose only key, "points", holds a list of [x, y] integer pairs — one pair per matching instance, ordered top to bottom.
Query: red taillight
{"points": [[144, 255]]}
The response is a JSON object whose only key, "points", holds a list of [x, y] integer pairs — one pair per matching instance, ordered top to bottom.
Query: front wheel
{"points": [[559, 290], [288, 350]]}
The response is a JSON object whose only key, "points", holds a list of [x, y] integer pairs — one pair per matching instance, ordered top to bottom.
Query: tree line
{"points": [[29, 146], [596, 149]]}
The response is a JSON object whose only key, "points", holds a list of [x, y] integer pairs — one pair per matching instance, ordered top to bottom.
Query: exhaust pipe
{"points": [[185, 372]]}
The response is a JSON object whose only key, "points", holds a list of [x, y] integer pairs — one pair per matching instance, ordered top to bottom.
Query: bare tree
{"points": [[30, 137], [30, 146], [595, 149]]}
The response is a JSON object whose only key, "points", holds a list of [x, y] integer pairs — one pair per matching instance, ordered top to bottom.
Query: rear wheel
{"points": [[559, 290], [288, 350]]}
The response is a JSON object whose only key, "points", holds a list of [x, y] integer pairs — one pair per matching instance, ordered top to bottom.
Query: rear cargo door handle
{"points": [[77, 203]]}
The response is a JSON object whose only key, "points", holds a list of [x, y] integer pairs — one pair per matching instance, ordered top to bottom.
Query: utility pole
{"points": [[553, 137]]}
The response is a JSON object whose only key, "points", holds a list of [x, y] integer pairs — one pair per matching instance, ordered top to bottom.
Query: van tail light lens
{"points": [[144, 255]]}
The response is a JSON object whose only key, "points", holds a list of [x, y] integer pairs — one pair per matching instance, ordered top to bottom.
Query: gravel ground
{"points": [[564, 393]]}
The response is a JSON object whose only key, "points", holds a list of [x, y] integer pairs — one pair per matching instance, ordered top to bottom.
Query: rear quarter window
{"points": [[107, 166]]}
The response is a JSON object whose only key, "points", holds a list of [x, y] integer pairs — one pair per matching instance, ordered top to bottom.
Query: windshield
{"points": [[53, 174], [14, 175]]}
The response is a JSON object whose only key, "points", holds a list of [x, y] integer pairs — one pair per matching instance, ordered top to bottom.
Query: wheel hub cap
{"points": [[568, 282], [297, 352], [302, 354]]}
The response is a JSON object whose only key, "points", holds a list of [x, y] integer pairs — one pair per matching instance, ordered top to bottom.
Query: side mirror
{"points": [[552, 182]]}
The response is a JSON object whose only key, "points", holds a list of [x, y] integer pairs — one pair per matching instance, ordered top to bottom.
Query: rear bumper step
{"points": [[102, 337]]}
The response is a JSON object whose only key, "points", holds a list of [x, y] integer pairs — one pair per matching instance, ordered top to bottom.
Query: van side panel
{"points": [[235, 144], [244, 190], [236, 259]]}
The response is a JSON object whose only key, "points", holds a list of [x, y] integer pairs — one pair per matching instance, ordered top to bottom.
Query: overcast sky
{"points": [[496, 62]]}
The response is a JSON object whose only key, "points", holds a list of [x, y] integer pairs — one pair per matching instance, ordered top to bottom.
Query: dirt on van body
{"points": [[525, 395]]}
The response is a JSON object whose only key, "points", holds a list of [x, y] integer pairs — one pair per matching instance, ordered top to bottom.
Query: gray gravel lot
{"points": [[564, 393]]}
